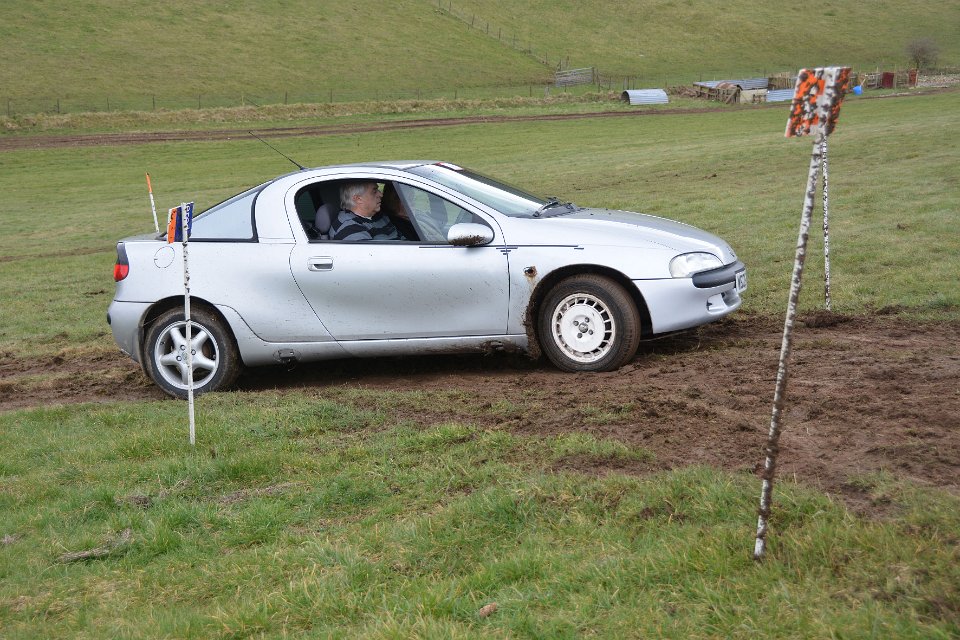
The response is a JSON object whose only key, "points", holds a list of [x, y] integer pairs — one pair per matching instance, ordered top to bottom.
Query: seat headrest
{"points": [[324, 219]]}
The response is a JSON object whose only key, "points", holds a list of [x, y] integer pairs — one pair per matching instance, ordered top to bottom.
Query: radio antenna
{"points": [[300, 166]]}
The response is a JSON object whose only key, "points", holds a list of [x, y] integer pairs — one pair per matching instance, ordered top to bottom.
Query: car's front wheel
{"points": [[589, 323], [216, 363]]}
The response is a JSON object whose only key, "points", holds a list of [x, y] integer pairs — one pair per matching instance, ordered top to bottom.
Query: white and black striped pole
{"points": [[186, 214], [826, 226]]}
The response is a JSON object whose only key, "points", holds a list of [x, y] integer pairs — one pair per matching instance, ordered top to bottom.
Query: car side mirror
{"points": [[469, 234]]}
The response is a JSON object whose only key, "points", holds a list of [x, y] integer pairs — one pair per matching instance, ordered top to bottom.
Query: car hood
{"points": [[627, 228]]}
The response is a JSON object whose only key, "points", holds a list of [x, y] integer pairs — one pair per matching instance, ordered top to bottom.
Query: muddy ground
{"points": [[867, 393]]}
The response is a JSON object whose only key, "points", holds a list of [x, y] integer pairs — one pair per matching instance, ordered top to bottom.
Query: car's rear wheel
{"points": [[589, 323], [216, 363]]}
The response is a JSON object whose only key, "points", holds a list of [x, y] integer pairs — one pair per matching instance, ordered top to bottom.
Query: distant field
{"points": [[115, 55]]}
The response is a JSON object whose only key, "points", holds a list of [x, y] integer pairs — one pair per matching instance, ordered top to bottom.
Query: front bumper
{"points": [[718, 277], [681, 303]]}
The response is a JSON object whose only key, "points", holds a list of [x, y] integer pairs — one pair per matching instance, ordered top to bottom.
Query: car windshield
{"points": [[497, 195]]}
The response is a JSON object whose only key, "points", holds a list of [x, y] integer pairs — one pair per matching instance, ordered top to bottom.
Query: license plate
{"points": [[741, 280]]}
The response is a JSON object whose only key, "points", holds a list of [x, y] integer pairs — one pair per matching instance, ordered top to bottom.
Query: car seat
{"points": [[323, 220]]}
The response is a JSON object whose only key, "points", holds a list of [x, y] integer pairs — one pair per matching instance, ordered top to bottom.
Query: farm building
{"points": [[733, 91]]}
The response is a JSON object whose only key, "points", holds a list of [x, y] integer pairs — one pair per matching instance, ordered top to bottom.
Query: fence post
{"points": [[285, 96], [198, 101], [154, 103], [58, 105], [9, 109]]}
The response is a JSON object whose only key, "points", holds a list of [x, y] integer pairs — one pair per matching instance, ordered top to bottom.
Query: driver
{"points": [[360, 218]]}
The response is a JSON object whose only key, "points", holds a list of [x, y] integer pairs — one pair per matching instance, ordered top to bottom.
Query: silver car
{"points": [[484, 267]]}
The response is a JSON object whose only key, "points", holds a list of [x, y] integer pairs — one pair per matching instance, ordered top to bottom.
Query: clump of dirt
{"points": [[823, 318], [866, 393]]}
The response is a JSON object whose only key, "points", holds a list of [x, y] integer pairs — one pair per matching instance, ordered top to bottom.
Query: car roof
{"points": [[391, 164], [400, 165]]}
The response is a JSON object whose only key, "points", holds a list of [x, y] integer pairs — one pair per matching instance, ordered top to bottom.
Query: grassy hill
{"points": [[656, 38], [123, 48], [134, 54]]}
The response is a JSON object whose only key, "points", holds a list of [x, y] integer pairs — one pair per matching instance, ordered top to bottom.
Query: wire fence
{"points": [[505, 36], [102, 103], [33, 105]]}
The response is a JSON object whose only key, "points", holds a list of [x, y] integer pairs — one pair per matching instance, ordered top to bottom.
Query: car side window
{"points": [[432, 215], [230, 220]]}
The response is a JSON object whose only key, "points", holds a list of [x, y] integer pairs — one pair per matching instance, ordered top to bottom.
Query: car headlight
{"points": [[687, 264]]}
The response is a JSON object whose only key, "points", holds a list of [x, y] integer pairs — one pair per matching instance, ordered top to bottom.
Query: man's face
{"points": [[367, 203]]}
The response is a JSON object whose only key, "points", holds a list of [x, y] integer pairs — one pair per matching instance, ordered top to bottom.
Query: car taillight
{"points": [[122, 268]]}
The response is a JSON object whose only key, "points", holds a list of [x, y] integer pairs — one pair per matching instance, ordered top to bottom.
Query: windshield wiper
{"points": [[551, 202], [554, 202]]}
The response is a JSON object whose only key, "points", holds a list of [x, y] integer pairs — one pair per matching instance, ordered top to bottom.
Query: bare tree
{"points": [[922, 52]]}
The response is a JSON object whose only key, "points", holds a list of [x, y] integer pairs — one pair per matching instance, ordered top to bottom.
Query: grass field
{"points": [[187, 55], [894, 189], [305, 517], [330, 517]]}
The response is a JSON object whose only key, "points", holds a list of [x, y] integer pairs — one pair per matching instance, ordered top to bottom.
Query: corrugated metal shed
{"points": [[747, 84], [780, 95], [645, 96]]}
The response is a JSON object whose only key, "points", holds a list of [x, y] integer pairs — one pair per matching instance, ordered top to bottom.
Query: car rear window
{"points": [[232, 219]]}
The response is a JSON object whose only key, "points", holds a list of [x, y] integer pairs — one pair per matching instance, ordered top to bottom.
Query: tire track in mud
{"points": [[867, 394]]}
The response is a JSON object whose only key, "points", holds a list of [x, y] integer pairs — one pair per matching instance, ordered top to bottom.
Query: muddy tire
{"points": [[589, 323], [216, 363]]}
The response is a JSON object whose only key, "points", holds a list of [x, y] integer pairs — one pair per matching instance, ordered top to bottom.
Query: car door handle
{"points": [[320, 264]]}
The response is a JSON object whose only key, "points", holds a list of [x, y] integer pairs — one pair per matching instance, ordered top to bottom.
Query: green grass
{"points": [[681, 41], [253, 51], [106, 55], [576, 99], [894, 193], [300, 515]]}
